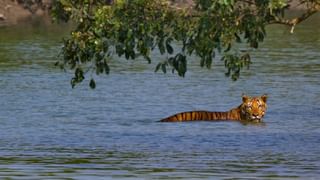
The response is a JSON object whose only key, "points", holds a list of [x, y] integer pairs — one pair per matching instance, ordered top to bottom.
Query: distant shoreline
{"points": [[13, 12]]}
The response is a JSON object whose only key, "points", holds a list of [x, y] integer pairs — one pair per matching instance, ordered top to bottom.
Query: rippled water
{"points": [[50, 131]]}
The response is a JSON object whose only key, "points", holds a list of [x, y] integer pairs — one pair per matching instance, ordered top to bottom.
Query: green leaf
{"points": [[65, 3], [238, 39], [254, 44], [161, 46], [169, 48], [228, 48], [119, 50], [127, 54], [132, 54], [148, 59], [202, 60], [208, 62], [180, 64], [106, 67], [158, 67], [163, 67], [79, 75], [73, 82], [92, 84]]}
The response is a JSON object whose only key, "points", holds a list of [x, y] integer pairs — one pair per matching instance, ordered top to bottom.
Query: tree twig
{"points": [[294, 21]]}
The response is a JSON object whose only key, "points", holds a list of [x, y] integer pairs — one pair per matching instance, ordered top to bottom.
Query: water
{"points": [[50, 131]]}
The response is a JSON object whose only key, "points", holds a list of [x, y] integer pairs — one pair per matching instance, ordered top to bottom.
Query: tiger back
{"points": [[252, 109]]}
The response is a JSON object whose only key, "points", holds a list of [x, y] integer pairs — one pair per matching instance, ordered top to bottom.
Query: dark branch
{"points": [[294, 21]]}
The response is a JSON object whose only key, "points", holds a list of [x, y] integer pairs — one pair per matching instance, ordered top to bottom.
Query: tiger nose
{"points": [[255, 114]]}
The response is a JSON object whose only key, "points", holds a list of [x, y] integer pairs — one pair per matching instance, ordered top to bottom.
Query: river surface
{"points": [[50, 131]]}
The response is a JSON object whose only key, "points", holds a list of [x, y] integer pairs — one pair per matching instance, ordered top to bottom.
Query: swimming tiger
{"points": [[252, 109]]}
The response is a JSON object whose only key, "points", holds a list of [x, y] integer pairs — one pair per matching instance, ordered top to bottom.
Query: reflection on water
{"points": [[50, 131]]}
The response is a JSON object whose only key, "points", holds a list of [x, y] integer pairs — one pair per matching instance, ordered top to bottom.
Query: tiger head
{"points": [[253, 108]]}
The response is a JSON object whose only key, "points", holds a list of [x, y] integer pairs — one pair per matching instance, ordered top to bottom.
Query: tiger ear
{"points": [[245, 98], [264, 98]]}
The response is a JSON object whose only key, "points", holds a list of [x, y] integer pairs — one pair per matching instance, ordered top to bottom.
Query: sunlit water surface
{"points": [[50, 131]]}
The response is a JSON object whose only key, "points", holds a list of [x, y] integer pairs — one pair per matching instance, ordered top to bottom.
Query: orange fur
{"points": [[251, 109]]}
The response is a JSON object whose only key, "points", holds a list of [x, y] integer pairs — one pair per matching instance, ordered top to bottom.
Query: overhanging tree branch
{"points": [[294, 21], [134, 28]]}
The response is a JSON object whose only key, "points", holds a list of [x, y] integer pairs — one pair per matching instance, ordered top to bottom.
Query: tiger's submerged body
{"points": [[252, 109]]}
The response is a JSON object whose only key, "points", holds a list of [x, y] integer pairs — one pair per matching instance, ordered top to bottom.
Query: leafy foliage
{"points": [[134, 28]]}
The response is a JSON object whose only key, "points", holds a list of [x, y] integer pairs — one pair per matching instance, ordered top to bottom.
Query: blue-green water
{"points": [[50, 131]]}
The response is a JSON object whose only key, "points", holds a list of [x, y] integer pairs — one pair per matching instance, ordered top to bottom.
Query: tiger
{"points": [[252, 109]]}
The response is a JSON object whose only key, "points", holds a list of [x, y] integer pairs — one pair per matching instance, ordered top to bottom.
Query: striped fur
{"points": [[251, 109]]}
